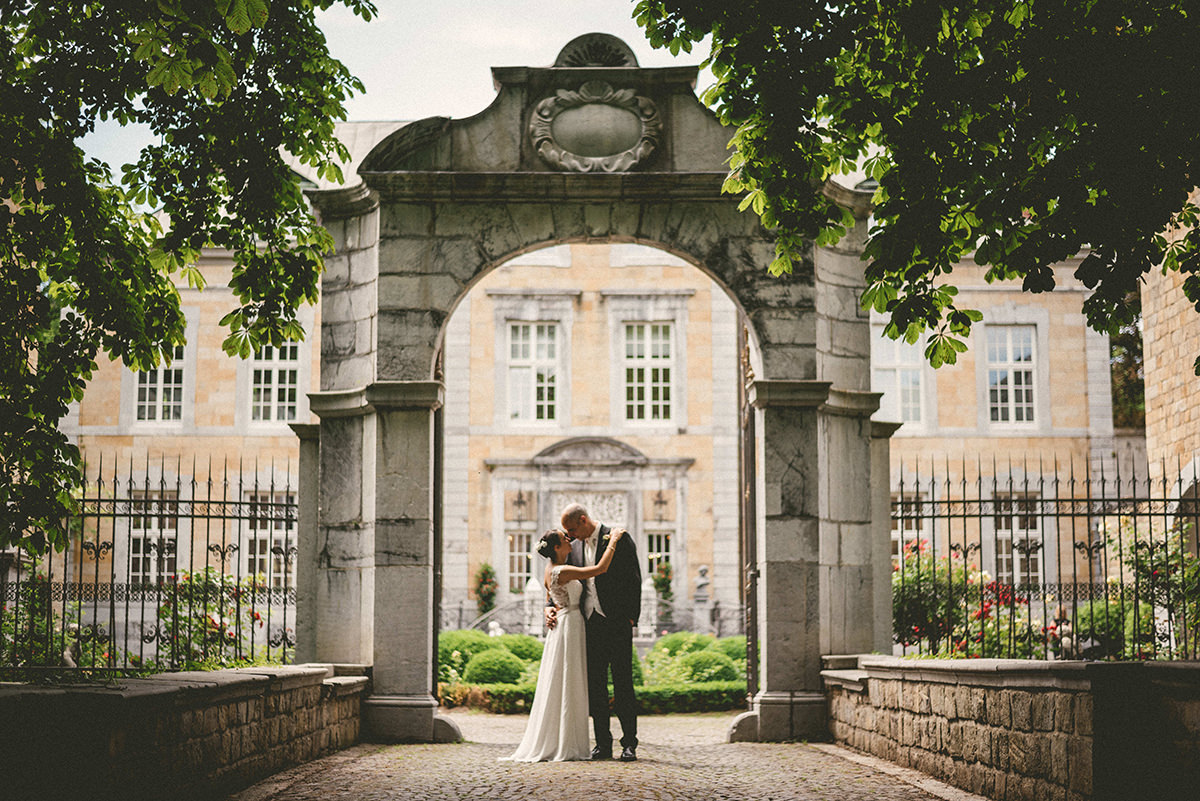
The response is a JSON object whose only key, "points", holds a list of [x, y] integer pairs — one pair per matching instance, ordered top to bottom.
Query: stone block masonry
{"points": [[1016, 730], [175, 736]]}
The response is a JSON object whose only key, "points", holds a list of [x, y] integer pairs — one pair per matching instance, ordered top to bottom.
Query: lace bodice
{"points": [[564, 594]]}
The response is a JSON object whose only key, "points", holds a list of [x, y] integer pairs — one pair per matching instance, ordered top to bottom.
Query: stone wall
{"points": [[1017, 730], [180, 736]]}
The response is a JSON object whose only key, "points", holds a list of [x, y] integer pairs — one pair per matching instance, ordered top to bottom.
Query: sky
{"points": [[433, 57]]}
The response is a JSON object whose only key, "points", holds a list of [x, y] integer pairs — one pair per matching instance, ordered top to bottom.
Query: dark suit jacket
{"points": [[620, 588]]}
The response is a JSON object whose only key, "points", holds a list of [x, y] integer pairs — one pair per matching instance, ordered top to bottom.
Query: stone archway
{"points": [[593, 148]]}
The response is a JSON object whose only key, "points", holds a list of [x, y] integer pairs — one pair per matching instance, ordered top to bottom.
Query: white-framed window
{"points": [[533, 351], [1011, 370], [648, 371], [897, 371], [274, 384], [529, 385], [160, 391], [909, 522], [154, 536], [1018, 538], [271, 541], [658, 550], [520, 559]]}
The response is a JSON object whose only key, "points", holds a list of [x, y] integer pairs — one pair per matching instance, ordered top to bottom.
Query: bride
{"points": [[558, 722]]}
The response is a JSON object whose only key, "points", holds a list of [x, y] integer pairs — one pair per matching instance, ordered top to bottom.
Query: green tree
{"points": [[1016, 132], [89, 261], [1126, 368]]}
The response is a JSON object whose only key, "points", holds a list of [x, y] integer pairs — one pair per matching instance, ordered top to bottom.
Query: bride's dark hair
{"points": [[549, 542]]}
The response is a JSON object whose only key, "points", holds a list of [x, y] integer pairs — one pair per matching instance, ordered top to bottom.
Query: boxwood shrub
{"points": [[682, 642], [733, 647], [528, 648], [455, 649], [708, 665], [494, 666], [709, 696]]}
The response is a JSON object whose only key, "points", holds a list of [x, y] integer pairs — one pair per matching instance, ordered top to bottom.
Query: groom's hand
{"points": [[551, 616]]}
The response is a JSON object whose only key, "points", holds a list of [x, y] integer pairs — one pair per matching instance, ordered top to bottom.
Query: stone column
{"points": [[848, 537], [306, 541], [790, 704], [402, 705]]}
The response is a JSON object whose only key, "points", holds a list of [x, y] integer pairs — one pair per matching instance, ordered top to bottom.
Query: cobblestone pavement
{"points": [[682, 757]]}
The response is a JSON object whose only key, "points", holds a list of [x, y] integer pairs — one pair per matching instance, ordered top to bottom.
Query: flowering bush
{"points": [[1166, 575], [662, 581], [485, 588], [930, 596], [208, 620], [998, 624], [37, 631]]}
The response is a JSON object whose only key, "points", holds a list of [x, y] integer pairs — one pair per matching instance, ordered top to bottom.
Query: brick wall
{"points": [[1171, 343], [1016, 730], [175, 735]]}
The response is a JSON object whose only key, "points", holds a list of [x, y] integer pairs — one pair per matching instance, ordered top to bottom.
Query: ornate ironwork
{"points": [[95, 550], [223, 552]]}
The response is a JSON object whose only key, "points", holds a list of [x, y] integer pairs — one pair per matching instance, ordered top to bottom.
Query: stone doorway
{"points": [[591, 149]]}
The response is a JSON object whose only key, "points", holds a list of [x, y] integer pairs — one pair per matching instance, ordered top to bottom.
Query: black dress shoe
{"points": [[601, 753], [629, 754]]}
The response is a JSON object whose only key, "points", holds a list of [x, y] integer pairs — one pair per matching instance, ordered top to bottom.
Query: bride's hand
{"points": [[616, 536]]}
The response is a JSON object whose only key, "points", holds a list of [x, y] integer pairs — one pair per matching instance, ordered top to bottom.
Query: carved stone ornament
{"points": [[595, 129]]}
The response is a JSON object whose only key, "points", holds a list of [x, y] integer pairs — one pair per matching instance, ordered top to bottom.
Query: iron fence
{"points": [[1045, 560], [167, 567]]}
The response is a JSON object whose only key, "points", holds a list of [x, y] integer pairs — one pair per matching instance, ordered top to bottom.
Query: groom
{"points": [[611, 604]]}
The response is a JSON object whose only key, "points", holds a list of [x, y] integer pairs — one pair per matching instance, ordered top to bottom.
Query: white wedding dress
{"points": [[558, 723]]}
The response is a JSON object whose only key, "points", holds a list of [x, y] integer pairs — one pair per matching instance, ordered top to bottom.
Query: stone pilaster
{"points": [[881, 534], [848, 537], [306, 540], [344, 569], [374, 582], [790, 704], [401, 707]]}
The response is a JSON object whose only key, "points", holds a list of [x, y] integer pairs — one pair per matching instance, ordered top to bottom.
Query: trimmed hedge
{"points": [[683, 642], [466, 643], [526, 647], [733, 647], [708, 665], [494, 666], [708, 696], [712, 696]]}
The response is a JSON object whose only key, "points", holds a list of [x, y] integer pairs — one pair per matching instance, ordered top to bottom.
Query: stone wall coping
{"points": [[839, 661], [980, 672], [286, 677], [850, 680], [209, 686], [338, 686]]}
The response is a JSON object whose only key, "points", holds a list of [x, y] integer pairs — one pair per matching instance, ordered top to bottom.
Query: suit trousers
{"points": [[610, 645]]}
